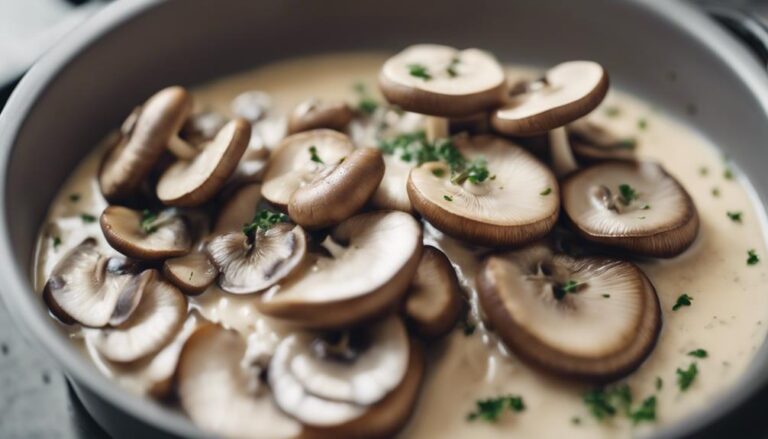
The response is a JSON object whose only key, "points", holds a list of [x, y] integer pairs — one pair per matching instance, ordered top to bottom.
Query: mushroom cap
{"points": [[476, 84], [572, 89], [313, 114], [143, 141], [592, 142], [291, 165], [192, 183], [339, 191], [392, 193], [508, 209], [238, 210], [665, 228], [123, 231], [374, 259], [249, 267], [192, 273], [85, 286], [434, 301], [154, 323], [583, 335], [319, 389], [220, 395]]}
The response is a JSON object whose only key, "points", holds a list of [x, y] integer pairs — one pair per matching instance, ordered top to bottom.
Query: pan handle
{"points": [[748, 21]]}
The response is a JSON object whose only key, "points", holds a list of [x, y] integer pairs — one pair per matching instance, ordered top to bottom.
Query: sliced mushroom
{"points": [[567, 92], [251, 105], [313, 114], [202, 127], [146, 134], [592, 142], [299, 158], [193, 182], [339, 191], [392, 193], [517, 203], [638, 207], [238, 210], [144, 235], [374, 259], [256, 261], [192, 273], [85, 285], [434, 300], [589, 318], [155, 322], [223, 397]]}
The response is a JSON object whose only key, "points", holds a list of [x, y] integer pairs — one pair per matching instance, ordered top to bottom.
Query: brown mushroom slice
{"points": [[442, 81], [567, 92], [314, 113], [146, 134], [592, 142], [299, 158], [193, 182], [339, 191], [392, 193], [517, 204], [638, 207], [238, 210], [144, 235], [374, 259], [252, 263], [193, 273], [85, 286], [434, 300], [586, 318], [153, 324], [325, 382], [223, 397]]}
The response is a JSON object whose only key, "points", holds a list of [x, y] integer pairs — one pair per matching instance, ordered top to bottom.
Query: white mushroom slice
{"points": [[251, 105], [313, 114], [146, 134], [592, 142], [299, 158], [192, 183], [339, 191], [392, 193], [517, 204], [638, 207], [238, 210], [143, 235], [375, 256], [252, 263], [192, 273], [85, 285], [434, 300], [589, 318], [150, 327], [323, 383], [221, 396]]}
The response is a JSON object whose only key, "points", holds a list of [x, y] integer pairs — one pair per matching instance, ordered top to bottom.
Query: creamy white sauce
{"points": [[728, 317]]}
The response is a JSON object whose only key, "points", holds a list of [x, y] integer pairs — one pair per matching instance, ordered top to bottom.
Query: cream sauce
{"points": [[728, 317]]}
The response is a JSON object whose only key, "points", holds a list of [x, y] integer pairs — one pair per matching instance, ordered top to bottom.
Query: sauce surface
{"points": [[728, 316]]}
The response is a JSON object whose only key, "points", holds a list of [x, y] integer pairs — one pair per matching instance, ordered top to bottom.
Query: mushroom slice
{"points": [[251, 105], [313, 114], [202, 127], [144, 138], [592, 142], [299, 158], [193, 182], [339, 191], [392, 193], [516, 204], [638, 207], [238, 210], [145, 235], [374, 259], [249, 263], [192, 273], [85, 285], [434, 301], [588, 318], [150, 327], [223, 397]]}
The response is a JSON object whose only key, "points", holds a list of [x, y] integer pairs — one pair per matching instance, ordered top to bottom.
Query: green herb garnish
{"points": [[451, 69], [419, 71], [365, 103], [612, 111], [642, 124], [626, 144], [313, 155], [438, 172], [728, 174], [546, 192], [715, 192], [627, 194], [75, 197], [447, 198], [735, 216], [87, 218], [264, 220], [147, 222], [56, 242], [752, 257], [560, 291], [606, 296], [683, 300], [698, 353], [685, 377], [659, 383], [604, 403], [490, 410], [646, 411]]}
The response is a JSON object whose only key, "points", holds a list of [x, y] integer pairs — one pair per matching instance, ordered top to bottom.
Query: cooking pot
{"points": [[667, 52]]}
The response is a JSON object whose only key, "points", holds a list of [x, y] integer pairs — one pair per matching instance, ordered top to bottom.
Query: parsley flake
{"points": [[451, 69], [419, 71], [365, 104], [612, 111], [642, 124], [313, 155], [703, 171], [438, 172], [728, 174], [546, 192], [715, 192], [627, 194], [74, 197], [447, 198], [735, 216], [87, 218], [264, 220], [147, 222], [56, 242], [752, 257], [570, 286], [683, 300], [698, 353], [686, 377], [659, 383], [604, 403], [490, 409], [646, 411]]}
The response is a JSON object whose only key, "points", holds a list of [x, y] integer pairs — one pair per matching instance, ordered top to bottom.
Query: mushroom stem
{"points": [[436, 128], [181, 149], [563, 161]]}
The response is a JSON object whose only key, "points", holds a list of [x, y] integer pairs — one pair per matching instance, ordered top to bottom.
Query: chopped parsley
{"points": [[451, 69], [419, 71], [365, 103], [612, 111], [642, 124], [626, 144], [313, 155], [703, 171], [438, 172], [476, 172], [728, 173], [546, 192], [715, 192], [627, 194], [74, 197], [447, 198], [645, 207], [735, 216], [87, 218], [263, 221], [147, 222], [56, 242], [752, 257], [569, 286], [606, 296], [683, 300], [698, 353], [685, 377], [659, 383], [604, 403], [490, 409], [646, 411]]}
